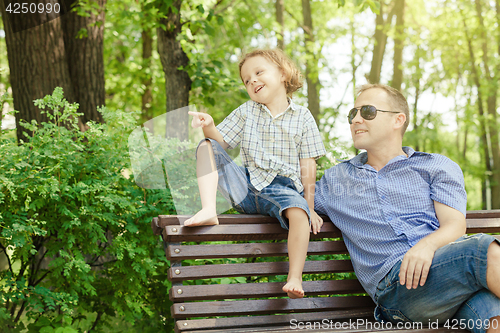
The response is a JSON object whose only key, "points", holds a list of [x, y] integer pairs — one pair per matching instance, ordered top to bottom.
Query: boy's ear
{"points": [[283, 76]]}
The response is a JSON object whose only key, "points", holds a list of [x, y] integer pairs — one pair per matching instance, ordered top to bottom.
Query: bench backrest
{"points": [[238, 248]]}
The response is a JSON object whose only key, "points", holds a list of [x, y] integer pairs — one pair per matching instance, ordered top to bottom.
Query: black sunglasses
{"points": [[368, 112]]}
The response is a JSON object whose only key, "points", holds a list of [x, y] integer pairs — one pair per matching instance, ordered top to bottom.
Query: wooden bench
{"points": [[256, 305]]}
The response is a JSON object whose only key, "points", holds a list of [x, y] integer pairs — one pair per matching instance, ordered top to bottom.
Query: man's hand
{"points": [[200, 119], [316, 222], [416, 264]]}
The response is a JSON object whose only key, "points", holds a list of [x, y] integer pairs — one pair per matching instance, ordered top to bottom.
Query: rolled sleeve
{"points": [[447, 186]]}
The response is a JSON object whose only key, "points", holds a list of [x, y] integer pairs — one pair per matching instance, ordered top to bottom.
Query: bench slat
{"points": [[478, 214], [165, 220], [160, 222], [486, 225], [238, 232], [249, 250], [177, 274], [259, 290], [268, 306], [263, 321], [362, 328]]}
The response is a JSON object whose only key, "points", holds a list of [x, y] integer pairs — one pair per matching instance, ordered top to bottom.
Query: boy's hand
{"points": [[200, 119], [316, 222]]}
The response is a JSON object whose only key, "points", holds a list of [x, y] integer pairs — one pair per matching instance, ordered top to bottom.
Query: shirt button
{"points": [[272, 140], [379, 177], [383, 197]]}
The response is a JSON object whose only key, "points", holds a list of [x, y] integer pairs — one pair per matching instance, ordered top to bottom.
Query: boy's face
{"points": [[264, 82]]}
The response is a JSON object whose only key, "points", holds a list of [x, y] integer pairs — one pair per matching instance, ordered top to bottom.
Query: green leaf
{"points": [[210, 101]]}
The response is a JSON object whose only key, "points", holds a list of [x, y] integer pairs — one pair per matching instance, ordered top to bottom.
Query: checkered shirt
{"points": [[270, 145], [382, 214]]}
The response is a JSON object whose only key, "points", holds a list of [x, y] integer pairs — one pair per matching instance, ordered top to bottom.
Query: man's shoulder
{"points": [[431, 158], [435, 164]]}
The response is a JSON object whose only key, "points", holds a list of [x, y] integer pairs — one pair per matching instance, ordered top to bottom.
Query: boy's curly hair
{"points": [[293, 80]]}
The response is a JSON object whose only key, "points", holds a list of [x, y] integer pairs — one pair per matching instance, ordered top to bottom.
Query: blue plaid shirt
{"points": [[383, 214]]}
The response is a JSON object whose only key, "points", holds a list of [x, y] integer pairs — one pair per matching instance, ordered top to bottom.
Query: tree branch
{"points": [[222, 9], [256, 19], [306, 29], [4, 249], [97, 265], [37, 269], [40, 279], [20, 312], [99, 314]]}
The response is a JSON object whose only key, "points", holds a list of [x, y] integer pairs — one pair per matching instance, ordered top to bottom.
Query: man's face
{"points": [[368, 134]]}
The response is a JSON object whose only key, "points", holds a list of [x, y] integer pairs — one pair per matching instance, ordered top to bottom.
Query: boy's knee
{"points": [[205, 143], [204, 147], [293, 213], [494, 253], [493, 268]]}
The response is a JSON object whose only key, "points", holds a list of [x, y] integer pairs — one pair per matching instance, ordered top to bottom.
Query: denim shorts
{"points": [[234, 184], [455, 292]]}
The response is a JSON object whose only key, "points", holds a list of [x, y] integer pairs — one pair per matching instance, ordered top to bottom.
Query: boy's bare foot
{"points": [[203, 217], [294, 288]]}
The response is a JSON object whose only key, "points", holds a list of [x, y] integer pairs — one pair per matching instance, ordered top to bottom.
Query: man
{"points": [[402, 216]]}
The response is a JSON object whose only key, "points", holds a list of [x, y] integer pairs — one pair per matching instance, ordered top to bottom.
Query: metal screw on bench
{"points": [[174, 229], [177, 250], [177, 271], [179, 291], [182, 308], [185, 324]]}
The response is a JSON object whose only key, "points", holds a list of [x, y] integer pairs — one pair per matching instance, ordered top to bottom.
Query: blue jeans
{"points": [[234, 184], [455, 292]]}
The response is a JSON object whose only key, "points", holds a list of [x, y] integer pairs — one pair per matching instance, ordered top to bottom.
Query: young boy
{"points": [[279, 144]]}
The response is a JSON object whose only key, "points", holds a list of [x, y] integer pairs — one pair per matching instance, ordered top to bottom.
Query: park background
{"points": [[76, 250]]}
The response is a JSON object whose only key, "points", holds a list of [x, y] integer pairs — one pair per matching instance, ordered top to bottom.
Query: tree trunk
{"points": [[280, 18], [380, 37], [86, 60], [37, 62], [397, 78], [177, 82], [313, 86], [147, 97], [491, 102], [415, 113], [482, 120]]}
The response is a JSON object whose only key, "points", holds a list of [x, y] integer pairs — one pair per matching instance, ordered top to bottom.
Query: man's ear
{"points": [[399, 120]]}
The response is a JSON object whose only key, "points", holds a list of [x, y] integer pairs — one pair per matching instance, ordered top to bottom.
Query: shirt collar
{"points": [[291, 106], [361, 159]]}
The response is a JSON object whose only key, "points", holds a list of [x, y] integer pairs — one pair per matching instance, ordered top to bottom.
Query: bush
{"points": [[75, 231]]}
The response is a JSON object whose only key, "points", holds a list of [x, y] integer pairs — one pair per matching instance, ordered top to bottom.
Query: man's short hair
{"points": [[397, 100]]}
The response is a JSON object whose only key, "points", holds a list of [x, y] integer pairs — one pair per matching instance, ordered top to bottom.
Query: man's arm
{"points": [[308, 178], [418, 260]]}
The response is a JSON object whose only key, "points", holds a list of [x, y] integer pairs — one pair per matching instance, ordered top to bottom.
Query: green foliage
{"points": [[75, 231]]}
